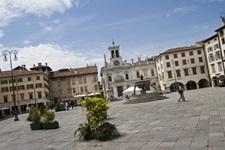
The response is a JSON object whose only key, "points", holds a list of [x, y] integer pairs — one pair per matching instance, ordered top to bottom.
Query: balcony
{"points": [[119, 79]]}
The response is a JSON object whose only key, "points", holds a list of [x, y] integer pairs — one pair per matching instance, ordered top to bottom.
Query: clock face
{"points": [[116, 62]]}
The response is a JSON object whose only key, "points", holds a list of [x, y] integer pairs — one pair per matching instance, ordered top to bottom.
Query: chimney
{"points": [[39, 64], [46, 64], [33, 65], [0, 70]]}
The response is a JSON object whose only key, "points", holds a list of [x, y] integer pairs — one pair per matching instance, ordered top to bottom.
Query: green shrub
{"points": [[59, 106], [42, 108], [34, 115], [48, 116], [96, 128], [84, 131], [106, 131]]}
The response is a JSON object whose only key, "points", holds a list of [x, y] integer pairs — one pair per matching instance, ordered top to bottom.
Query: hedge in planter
{"points": [[59, 107], [35, 118], [48, 121], [96, 128]]}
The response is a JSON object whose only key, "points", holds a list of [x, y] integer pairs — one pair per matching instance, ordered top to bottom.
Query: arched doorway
{"points": [[221, 80], [203, 83], [191, 85]]}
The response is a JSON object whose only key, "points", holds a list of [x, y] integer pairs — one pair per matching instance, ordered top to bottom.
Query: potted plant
{"points": [[59, 107], [35, 118], [48, 121]]}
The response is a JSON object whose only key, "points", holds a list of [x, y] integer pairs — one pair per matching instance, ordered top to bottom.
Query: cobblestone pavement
{"points": [[198, 124]]}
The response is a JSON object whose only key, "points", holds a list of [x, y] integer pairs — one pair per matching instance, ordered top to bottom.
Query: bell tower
{"points": [[115, 59]]}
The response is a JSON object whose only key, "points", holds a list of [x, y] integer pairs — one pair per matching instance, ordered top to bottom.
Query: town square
{"points": [[197, 124]]}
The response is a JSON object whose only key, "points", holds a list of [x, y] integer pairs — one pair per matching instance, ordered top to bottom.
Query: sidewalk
{"points": [[197, 124]]}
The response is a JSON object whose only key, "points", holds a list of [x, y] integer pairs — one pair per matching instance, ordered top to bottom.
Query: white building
{"points": [[214, 59], [184, 65], [118, 75]]}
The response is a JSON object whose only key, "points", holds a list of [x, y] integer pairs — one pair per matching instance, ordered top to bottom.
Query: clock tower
{"points": [[115, 59]]}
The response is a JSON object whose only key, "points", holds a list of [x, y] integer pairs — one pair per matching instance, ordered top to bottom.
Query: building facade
{"points": [[184, 65], [118, 75], [67, 83], [30, 88]]}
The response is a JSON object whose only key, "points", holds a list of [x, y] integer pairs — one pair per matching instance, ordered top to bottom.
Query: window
{"points": [[221, 33], [223, 41], [216, 46], [209, 49], [199, 52], [191, 53], [183, 54], [175, 55], [217, 56], [167, 57], [211, 58], [200, 59], [192, 60], [184, 62], [176, 63], [168, 64], [220, 66], [202, 68], [213, 68], [194, 70], [186, 72], [152, 73], [178, 73], [138, 74], [169, 74], [127, 76], [37, 77], [29, 78], [110, 78], [19, 80], [4, 81], [10, 81], [80, 81], [85, 81], [73, 82], [38, 85], [30, 86], [21, 87], [14, 88], [5, 89], [81, 89], [85, 89], [74, 90], [39, 94], [30, 95], [21, 96], [5, 97]]}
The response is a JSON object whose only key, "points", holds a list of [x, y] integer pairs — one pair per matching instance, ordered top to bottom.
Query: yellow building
{"points": [[65, 84], [30, 88]]}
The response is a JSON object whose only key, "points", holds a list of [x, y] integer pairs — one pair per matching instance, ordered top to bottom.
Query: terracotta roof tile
{"points": [[179, 49], [20, 72], [74, 72]]}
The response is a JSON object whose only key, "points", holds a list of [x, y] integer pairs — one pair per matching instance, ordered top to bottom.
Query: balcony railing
{"points": [[119, 79]]}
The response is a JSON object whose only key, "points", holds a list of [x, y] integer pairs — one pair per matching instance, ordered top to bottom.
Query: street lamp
{"points": [[5, 53]]}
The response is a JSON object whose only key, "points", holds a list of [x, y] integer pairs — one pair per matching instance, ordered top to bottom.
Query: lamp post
{"points": [[5, 53], [35, 94]]}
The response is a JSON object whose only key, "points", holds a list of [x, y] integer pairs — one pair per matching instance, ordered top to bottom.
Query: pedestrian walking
{"points": [[181, 92], [72, 103], [67, 106]]}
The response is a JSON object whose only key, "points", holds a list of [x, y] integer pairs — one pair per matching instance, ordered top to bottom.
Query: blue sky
{"points": [[74, 33]]}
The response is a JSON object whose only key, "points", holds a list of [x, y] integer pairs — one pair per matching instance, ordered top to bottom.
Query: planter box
{"points": [[60, 110], [53, 125], [36, 126]]}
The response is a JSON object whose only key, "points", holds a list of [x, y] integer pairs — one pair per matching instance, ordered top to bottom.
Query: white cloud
{"points": [[13, 9], [181, 11], [1, 33], [56, 56]]}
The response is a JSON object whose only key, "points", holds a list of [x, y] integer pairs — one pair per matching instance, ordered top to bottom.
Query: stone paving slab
{"points": [[198, 124]]}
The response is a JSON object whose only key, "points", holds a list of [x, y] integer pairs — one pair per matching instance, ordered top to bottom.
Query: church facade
{"points": [[118, 74]]}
